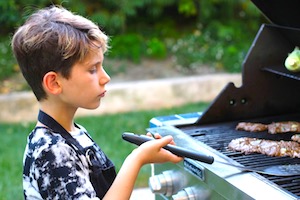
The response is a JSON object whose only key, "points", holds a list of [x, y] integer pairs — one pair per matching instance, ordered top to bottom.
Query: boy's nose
{"points": [[104, 78]]}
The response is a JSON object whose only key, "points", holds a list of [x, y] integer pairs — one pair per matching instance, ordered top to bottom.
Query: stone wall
{"points": [[129, 96]]}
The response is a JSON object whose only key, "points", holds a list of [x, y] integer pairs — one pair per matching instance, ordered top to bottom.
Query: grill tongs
{"points": [[276, 170]]}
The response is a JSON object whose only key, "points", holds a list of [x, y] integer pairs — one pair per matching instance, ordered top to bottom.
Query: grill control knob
{"points": [[167, 183], [191, 193]]}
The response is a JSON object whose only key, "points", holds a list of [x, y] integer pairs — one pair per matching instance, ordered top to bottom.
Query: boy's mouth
{"points": [[102, 94]]}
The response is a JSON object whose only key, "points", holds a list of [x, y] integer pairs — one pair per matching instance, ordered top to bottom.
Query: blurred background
{"points": [[189, 34], [181, 36]]}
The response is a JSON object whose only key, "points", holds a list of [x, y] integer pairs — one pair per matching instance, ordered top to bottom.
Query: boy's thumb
{"points": [[166, 140]]}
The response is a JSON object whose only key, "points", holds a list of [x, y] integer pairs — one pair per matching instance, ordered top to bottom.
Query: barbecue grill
{"points": [[269, 93]]}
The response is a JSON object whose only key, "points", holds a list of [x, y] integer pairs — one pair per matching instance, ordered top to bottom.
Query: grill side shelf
{"points": [[282, 71]]}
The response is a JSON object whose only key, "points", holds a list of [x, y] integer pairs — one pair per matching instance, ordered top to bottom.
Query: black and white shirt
{"points": [[54, 170]]}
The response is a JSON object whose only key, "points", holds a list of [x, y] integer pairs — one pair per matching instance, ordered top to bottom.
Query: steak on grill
{"points": [[267, 147]]}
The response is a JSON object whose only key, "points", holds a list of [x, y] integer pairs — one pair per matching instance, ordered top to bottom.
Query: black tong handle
{"points": [[179, 151]]}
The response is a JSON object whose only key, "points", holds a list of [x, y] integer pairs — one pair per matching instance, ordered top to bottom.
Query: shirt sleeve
{"points": [[62, 174]]}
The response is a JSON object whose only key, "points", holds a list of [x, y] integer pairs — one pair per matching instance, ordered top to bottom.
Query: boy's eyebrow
{"points": [[94, 62], [91, 63]]}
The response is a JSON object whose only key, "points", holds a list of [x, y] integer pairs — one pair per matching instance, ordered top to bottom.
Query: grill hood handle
{"points": [[179, 151]]}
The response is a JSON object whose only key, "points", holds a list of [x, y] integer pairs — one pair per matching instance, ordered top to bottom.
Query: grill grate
{"points": [[219, 136]]}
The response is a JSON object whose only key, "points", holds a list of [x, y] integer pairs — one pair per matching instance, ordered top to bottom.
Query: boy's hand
{"points": [[158, 136], [153, 152]]}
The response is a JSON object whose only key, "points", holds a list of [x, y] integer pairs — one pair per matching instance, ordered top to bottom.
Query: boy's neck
{"points": [[65, 117]]}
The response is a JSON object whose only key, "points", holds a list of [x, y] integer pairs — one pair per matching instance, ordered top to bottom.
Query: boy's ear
{"points": [[51, 83]]}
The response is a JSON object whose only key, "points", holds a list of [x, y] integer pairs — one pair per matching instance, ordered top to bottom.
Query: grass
{"points": [[106, 130]]}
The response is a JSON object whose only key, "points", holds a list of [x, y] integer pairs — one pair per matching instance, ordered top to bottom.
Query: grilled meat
{"points": [[252, 127], [284, 127], [273, 128], [296, 138], [267, 147]]}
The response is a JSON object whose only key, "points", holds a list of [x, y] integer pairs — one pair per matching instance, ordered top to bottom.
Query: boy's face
{"points": [[86, 85]]}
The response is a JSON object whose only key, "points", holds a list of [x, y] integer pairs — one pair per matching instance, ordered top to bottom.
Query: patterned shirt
{"points": [[54, 170]]}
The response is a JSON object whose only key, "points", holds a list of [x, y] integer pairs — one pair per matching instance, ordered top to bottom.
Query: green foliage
{"points": [[187, 7], [14, 12], [9, 14], [110, 23], [194, 31], [222, 37], [128, 46], [135, 46], [156, 48], [222, 51], [8, 65], [106, 130]]}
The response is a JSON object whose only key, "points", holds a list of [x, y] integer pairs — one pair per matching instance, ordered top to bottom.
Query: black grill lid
{"points": [[280, 12], [268, 88]]}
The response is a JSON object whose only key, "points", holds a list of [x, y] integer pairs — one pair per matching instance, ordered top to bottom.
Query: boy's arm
{"points": [[149, 152]]}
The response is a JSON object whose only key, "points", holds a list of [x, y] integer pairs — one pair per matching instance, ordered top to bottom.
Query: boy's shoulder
{"points": [[42, 135], [43, 139], [44, 145]]}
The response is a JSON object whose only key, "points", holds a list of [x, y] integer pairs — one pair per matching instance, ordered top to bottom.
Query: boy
{"points": [[61, 55]]}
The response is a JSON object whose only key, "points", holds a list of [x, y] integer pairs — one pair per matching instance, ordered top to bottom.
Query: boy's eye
{"points": [[93, 70]]}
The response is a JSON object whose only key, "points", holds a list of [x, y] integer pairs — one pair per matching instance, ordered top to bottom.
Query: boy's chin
{"points": [[91, 107]]}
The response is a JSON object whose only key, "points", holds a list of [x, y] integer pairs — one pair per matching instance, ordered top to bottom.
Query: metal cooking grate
{"points": [[219, 136]]}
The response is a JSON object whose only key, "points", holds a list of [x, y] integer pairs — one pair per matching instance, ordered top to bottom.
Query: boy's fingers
{"points": [[154, 135], [158, 136], [166, 140]]}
